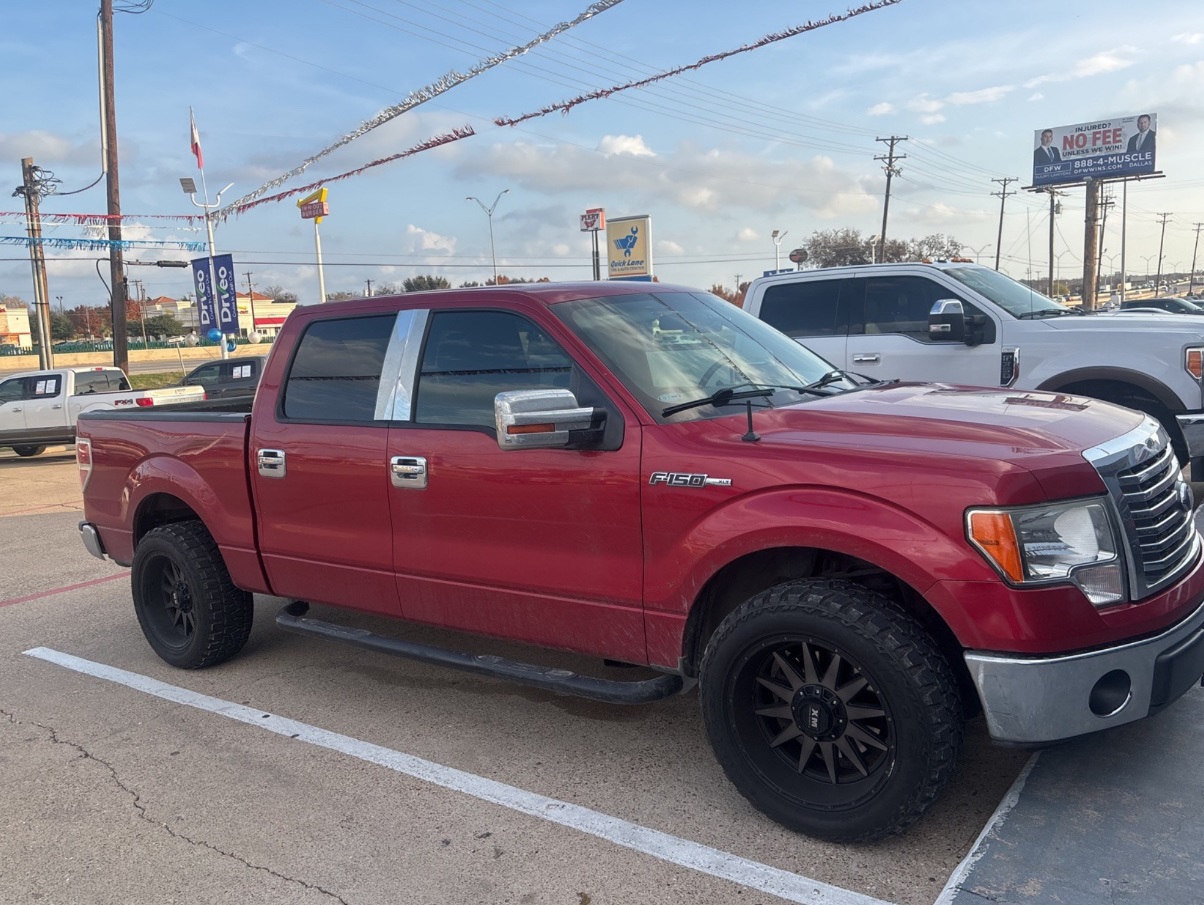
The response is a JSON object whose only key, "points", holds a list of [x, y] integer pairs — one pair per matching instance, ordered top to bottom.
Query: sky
{"points": [[782, 137]]}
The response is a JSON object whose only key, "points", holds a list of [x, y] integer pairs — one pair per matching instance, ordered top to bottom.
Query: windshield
{"points": [[1014, 298], [674, 347]]}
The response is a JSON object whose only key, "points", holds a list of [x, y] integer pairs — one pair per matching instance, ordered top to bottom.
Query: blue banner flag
{"points": [[226, 307], [206, 315]]}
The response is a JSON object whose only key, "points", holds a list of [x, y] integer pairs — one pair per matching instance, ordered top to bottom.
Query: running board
{"points": [[292, 618]]}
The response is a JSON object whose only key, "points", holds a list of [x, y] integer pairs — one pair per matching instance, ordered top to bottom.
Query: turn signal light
{"points": [[1194, 362], [996, 537]]}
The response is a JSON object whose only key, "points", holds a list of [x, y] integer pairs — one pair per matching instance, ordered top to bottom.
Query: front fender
{"points": [[917, 551]]}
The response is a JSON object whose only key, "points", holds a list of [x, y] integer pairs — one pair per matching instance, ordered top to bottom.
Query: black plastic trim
{"points": [[292, 618]]}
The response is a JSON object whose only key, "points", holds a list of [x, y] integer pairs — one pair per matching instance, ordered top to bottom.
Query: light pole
{"points": [[188, 184], [489, 214], [777, 247], [874, 249], [978, 251]]}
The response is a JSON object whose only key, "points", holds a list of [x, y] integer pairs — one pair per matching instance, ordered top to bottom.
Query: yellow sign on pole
{"points": [[314, 207]]}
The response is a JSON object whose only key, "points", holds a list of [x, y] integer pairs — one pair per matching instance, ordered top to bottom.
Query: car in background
{"points": [[1170, 304], [9, 349], [231, 379]]}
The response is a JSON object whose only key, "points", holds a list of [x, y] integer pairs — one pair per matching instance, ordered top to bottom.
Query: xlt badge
{"points": [[684, 479]]}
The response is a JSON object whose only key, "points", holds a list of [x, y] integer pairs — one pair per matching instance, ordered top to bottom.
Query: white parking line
{"points": [[682, 852]]}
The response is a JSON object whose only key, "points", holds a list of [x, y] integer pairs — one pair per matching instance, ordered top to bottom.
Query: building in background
{"points": [[269, 314], [14, 327]]}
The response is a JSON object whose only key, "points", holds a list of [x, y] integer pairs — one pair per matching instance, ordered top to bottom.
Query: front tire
{"points": [[26, 451], [189, 609], [831, 710]]}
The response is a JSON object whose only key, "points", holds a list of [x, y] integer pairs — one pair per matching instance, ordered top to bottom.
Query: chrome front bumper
{"points": [[91, 538], [1037, 700]]}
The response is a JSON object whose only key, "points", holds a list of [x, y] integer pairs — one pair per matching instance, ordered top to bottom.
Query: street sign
{"points": [[314, 207], [593, 220], [798, 256]]}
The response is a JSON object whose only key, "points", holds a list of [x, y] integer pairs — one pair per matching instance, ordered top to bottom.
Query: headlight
{"points": [[1046, 544]]}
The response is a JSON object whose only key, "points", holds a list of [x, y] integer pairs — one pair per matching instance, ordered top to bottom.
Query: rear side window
{"points": [[810, 308], [335, 374]]}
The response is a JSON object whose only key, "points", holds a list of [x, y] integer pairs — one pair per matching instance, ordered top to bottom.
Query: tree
{"points": [[935, 246], [837, 248], [424, 283], [469, 284], [388, 289], [280, 294], [726, 294], [343, 296], [86, 321], [165, 325], [60, 326]]}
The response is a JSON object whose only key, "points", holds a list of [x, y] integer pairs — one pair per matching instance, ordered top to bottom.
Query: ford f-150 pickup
{"points": [[40, 408], [848, 569]]}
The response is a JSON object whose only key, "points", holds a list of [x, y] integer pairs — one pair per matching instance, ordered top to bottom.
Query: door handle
{"points": [[866, 359], [58, 406], [17, 408], [271, 463], [408, 472]]}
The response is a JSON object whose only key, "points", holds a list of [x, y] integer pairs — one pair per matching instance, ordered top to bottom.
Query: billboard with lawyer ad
{"points": [[1104, 149]]}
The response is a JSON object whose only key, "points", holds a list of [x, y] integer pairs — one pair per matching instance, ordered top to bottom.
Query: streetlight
{"points": [[188, 184], [489, 213], [873, 240], [777, 247], [978, 251]]}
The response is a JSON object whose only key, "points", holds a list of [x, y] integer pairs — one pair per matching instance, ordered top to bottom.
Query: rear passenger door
{"points": [[817, 313], [891, 339], [318, 469]]}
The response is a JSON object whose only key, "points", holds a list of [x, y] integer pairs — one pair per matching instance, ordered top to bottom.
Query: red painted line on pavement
{"points": [[64, 589]]}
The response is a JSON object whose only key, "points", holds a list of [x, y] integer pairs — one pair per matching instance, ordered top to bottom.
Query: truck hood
{"points": [[1185, 327], [937, 420]]}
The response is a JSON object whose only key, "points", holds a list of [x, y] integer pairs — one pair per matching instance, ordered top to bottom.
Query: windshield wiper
{"points": [[1044, 312], [860, 380], [729, 394]]}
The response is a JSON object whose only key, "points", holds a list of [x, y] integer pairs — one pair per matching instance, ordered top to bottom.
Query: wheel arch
{"points": [[756, 571]]}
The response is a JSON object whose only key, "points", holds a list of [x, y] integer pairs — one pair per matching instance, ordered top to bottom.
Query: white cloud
{"points": [[1189, 38], [1098, 64], [981, 96], [925, 104], [881, 109], [931, 119], [631, 145], [747, 234], [422, 240], [668, 247]]}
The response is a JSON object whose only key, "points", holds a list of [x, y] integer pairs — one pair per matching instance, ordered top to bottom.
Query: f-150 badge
{"points": [[683, 479]]}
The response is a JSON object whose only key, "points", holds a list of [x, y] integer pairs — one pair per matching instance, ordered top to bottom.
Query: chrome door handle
{"points": [[864, 359], [56, 406], [271, 463], [408, 472]]}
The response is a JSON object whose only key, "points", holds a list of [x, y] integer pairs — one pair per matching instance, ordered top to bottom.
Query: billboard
{"points": [[1104, 149], [629, 248]]}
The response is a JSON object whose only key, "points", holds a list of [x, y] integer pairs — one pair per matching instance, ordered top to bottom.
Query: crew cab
{"points": [[874, 319], [40, 408], [848, 569]]}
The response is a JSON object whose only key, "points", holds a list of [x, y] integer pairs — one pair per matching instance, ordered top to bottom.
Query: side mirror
{"points": [[947, 321], [545, 419]]}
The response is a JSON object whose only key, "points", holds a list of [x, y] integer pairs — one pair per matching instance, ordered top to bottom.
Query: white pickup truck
{"points": [[960, 323], [39, 408]]}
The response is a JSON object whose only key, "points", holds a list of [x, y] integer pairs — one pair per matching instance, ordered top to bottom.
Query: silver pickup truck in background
{"points": [[39, 408]]}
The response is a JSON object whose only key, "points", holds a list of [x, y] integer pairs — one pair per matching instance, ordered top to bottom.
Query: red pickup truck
{"points": [[848, 569]]}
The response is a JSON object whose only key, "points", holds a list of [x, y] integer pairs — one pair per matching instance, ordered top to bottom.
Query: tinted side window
{"points": [[810, 308], [471, 356], [335, 374], [205, 375], [15, 389]]}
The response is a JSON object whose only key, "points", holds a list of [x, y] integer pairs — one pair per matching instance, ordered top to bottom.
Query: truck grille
{"points": [[1154, 506], [1165, 538]]}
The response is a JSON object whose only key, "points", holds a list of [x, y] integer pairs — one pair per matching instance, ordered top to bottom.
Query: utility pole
{"points": [[890, 170], [33, 186], [1003, 194], [1105, 202], [1055, 207], [1161, 237], [1090, 245], [1191, 279], [369, 292], [251, 302], [142, 312], [121, 354]]}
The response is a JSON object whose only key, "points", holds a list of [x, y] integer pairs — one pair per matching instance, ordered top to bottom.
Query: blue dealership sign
{"points": [[215, 294], [227, 308], [206, 313]]}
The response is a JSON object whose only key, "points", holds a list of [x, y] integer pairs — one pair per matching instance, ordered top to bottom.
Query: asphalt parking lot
{"points": [[307, 772]]}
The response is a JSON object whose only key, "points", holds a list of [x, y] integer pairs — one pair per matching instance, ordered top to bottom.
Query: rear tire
{"points": [[26, 451], [189, 610], [831, 710]]}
